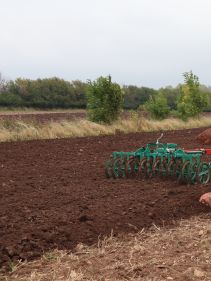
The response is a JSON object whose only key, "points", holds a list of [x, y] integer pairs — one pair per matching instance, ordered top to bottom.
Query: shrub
{"points": [[10, 99], [104, 100], [191, 101], [157, 107]]}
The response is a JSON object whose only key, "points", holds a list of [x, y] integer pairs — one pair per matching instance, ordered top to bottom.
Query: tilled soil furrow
{"points": [[54, 193]]}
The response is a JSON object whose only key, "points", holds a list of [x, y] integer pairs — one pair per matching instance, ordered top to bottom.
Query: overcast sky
{"points": [[143, 42]]}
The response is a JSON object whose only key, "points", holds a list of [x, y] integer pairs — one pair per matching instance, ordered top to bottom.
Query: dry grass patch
{"points": [[28, 110], [11, 130], [179, 253]]}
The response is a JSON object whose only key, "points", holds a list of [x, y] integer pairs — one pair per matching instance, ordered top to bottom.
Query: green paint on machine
{"points": [[160, 159]]}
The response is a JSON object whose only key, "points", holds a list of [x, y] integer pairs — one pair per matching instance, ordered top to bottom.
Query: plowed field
{"points": [[53, 194]]}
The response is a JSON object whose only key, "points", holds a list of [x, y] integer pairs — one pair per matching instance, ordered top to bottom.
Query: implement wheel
{"points": [[136, 164], [109, 167], [129, 167], [132, 167], [170, 167], [118, 168], [142, 168], [148, 168], [164, 168], [156, 169], [178, 171], [186, 172], [193, 173], [203, 173]]}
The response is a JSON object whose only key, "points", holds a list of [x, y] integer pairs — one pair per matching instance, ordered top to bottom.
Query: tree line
{"points": [[43, 93], [58, 93], [105, 100]]}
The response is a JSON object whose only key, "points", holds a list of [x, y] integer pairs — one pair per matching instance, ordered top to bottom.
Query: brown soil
{"points": [[43, 117], [54, 194]]}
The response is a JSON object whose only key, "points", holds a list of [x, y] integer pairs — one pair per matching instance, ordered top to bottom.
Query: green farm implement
{"points": [[160, 159]]}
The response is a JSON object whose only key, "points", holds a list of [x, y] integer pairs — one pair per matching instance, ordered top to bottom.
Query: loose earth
{"points": [[54, 194]]}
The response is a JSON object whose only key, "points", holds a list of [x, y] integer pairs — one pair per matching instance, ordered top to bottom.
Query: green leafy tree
{"points": [[80, 90], [45, 93], [171, 95], [135, 96], [104, 100], [191, 101], [157, 107]]}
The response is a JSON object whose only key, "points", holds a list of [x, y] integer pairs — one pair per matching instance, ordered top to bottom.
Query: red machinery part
{"points": [[196, 150], [204, 150], [208, 151]]}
